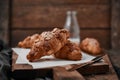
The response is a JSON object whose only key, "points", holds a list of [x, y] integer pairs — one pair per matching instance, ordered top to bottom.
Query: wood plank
{"points": [[58, 2], [89, 16], [4, 20], [115, 23], [103, 36], [18, 66], [100, 67], [97, 68], [26, 70], [59, 73], [111, 76]]}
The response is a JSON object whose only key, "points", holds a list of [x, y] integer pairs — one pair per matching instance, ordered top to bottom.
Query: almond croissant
{"points": [[29, 41], [48, 43], [69, 51]]}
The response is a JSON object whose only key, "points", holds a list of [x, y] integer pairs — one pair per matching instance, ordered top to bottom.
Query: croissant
{"points": [[28, 41], [48, 43], [91, 46], [70, 51]]}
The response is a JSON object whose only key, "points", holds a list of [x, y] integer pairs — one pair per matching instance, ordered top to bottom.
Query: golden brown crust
{"points": [[28, 41], [49, 43], [91, 46], [69, 51]]}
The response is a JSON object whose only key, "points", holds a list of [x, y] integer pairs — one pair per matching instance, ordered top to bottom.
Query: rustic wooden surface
{"points": [[42, 2], [44, 11], [27, 14], [41, 15], [90, 16], [4, 20], [115, 24], [102, 66], [59, 73], [111, 75], [108, 76]]}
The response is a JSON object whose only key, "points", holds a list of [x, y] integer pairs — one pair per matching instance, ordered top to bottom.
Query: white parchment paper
{"points": [[47, 61]]}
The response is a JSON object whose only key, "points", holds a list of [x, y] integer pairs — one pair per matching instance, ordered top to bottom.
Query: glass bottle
{"points": [[73, 26]]}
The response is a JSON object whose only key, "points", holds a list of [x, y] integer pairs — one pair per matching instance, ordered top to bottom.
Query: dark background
{"points": [[99, 19]]}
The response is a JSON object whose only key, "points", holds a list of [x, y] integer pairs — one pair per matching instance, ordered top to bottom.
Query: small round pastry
{"points": [[91, 46], [70, 51]]}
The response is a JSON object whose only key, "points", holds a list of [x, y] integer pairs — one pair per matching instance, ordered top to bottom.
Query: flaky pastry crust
{"points": [[28, 41], [49, 43], [91, 46], [70, 51]]}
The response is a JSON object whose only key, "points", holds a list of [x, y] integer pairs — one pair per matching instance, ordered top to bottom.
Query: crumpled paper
{"points": [[47, 61]]}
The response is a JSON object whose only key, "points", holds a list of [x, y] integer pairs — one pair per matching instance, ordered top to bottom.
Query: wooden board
{"points": [[24, 70], [111, 75]]}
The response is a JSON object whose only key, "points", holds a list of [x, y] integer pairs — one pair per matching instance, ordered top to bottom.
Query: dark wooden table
{"points": [[59, 73]]}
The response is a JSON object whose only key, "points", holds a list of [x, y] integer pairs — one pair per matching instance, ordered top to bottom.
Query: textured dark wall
{"points": [[4, 20], [115, 24]]}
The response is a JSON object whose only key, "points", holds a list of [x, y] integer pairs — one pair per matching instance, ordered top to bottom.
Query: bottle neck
{"points": [[74, 18], [68, 21], [75, 24]]}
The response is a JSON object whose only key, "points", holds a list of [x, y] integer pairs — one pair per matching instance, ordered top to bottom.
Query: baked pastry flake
{"points": [[28, 41], [49, 43], [91, 46], [70, 51]]}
